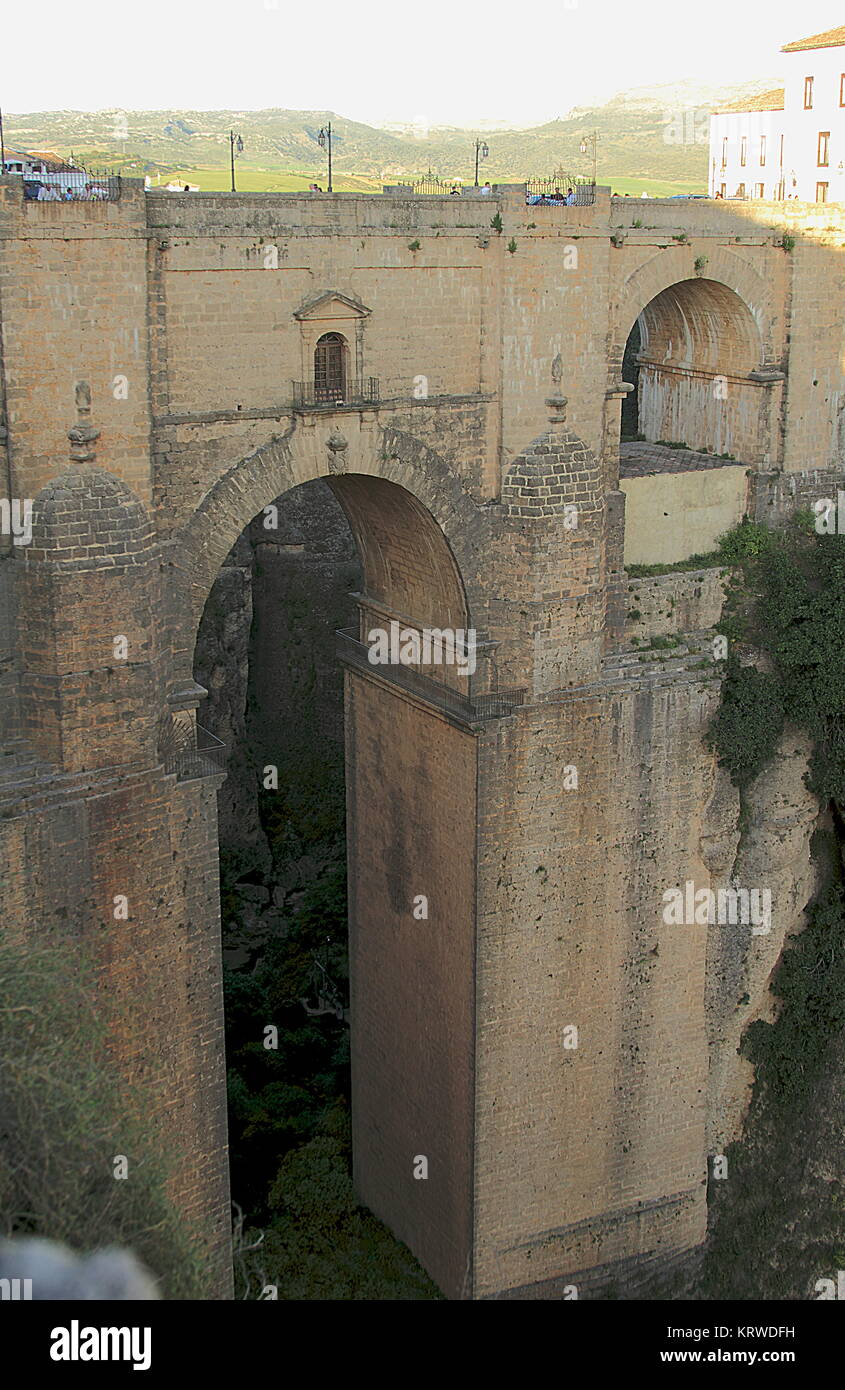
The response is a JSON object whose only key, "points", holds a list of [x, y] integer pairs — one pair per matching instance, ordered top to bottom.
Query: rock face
{"points": [[304, 571], [266, 655], [222, 664], [773, 855]]}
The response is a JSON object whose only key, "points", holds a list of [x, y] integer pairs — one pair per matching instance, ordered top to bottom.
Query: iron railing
{"points": [[432, 184], [73, 186], [554, 189], [362, 392], [469, 710], [206, 759]]}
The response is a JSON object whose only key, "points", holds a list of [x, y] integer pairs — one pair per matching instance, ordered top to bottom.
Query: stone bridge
{"points": [[453, 367]]}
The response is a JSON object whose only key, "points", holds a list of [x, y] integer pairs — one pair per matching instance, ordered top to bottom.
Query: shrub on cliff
{"points": [[65, 1117]]}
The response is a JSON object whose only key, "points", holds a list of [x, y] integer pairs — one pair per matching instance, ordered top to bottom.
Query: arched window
{"points": [[330, 368]]}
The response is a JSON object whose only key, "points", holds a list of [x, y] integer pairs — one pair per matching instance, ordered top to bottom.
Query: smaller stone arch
{"points": [[672, 267], [703, 371]]}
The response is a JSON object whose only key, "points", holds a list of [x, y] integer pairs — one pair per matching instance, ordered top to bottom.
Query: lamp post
{"points": [[324, 140], [235, 143], [585, 145], [482, 149]]}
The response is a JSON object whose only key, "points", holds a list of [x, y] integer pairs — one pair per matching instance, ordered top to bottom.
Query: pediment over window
{"points": [[332, 305]]}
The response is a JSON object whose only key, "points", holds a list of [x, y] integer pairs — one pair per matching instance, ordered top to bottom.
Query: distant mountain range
{"points": [[641, 134]]}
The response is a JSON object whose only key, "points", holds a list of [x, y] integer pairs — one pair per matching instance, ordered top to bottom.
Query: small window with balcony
{"points": [[808, 93], [823, 149], [743, 150], [330, 358]]}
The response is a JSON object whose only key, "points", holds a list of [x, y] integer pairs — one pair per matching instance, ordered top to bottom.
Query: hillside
{"points": [[634, 143]]}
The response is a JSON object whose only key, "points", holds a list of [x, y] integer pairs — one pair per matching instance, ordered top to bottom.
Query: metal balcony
{"points": [[308, 395], [206, 759]]}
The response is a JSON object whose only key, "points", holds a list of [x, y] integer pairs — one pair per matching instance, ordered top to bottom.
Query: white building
{"points": [[790, 142], [43, 167]]}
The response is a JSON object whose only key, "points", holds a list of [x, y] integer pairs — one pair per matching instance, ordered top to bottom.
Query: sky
{"points": [[428, 62]]}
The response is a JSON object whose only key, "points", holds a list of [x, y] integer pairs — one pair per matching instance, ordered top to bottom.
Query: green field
{"points": [[249, 180], [262, 180], [655, 188]]}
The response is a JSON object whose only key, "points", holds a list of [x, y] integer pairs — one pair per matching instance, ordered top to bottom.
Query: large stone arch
{"points": [[303, 454], [411, 797]]}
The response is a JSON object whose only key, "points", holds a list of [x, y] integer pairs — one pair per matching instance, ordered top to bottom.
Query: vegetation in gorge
{"points": [[289, 1120], [778, 1223]]}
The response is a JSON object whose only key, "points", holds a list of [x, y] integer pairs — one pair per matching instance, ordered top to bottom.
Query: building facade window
{"points": [[842, 89], [808, 93], [762, 149], [823, 149], [724, 150], [743, 150], [723, 189], [740, 190], [759, 190], [821, 192], [330, 367]]}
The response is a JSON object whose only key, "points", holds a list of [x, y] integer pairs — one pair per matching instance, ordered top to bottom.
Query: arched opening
{"points": [[690, 354], [331, 356], [698, 415], [380, 814]]}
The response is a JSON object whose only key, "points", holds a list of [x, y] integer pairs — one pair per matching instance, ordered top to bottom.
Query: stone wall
{"points": [[411, 831]]}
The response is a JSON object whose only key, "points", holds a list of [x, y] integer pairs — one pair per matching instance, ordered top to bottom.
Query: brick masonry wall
{"points": [[689, 601]]}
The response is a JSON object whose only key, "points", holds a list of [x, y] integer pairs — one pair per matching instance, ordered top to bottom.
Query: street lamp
{"points": [[324, 139], [235, 143], [585, 145], [482, 149]]}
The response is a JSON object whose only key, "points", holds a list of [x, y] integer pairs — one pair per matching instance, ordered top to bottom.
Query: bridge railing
{"points": [[432, 184], [72, 186], [583, 188], [469, 709]]}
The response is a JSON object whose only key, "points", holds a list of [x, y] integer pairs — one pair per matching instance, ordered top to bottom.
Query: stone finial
{"points": [[557, 373], [557, 411], [83, 433], [337, 446]]}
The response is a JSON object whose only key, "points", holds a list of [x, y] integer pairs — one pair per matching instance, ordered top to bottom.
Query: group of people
{"points": [[49, 193], [555, 199]]}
